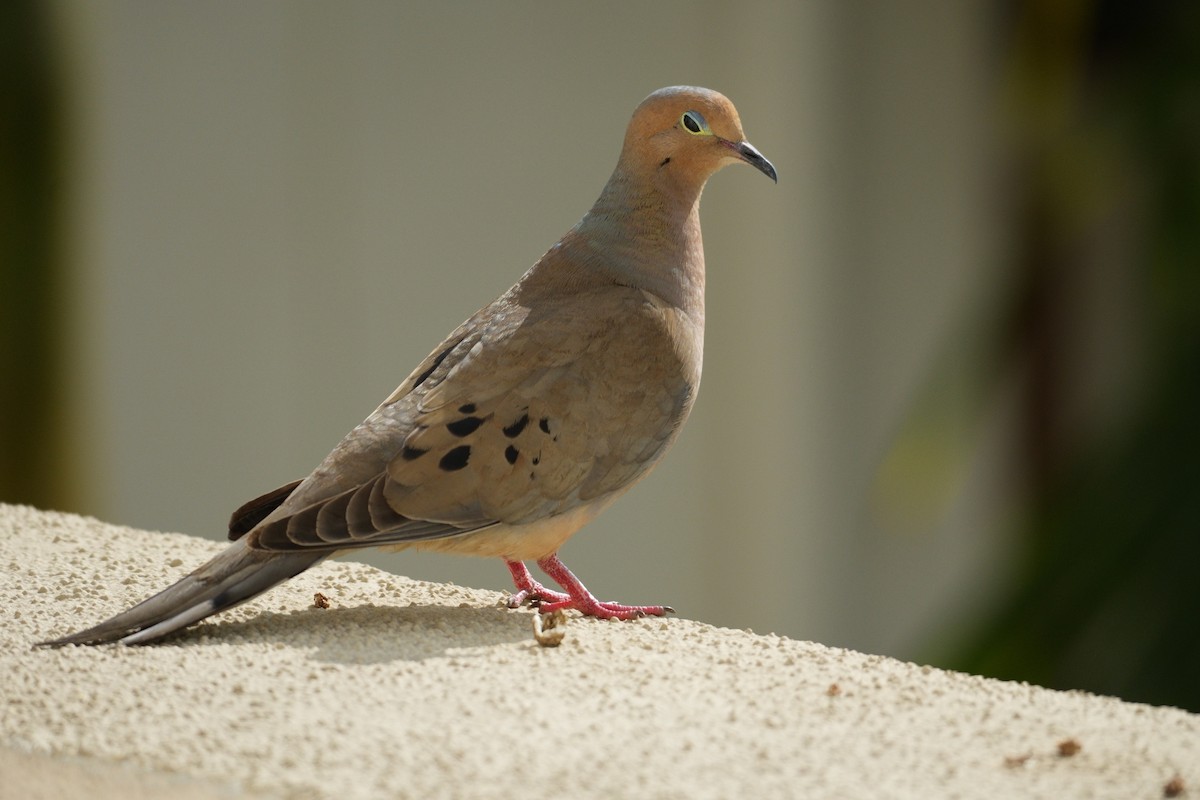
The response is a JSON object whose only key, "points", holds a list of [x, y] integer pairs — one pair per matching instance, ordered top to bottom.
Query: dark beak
{"points": [[747, 152]]}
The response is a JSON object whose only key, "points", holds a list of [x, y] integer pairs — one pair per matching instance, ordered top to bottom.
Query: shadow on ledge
{"points": [[366, 634]]}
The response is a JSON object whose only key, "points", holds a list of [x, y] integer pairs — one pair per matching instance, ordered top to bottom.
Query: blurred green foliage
{"points": [[1105, 105], [31, 313]]}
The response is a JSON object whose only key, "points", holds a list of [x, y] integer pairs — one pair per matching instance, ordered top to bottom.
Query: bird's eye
{"points": [[693, 122]]}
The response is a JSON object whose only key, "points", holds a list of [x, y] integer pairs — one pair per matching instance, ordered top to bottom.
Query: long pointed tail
{"points": [[233, 576]]}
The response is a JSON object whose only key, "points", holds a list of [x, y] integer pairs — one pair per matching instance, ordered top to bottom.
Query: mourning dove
{"points": [[528, 420]]}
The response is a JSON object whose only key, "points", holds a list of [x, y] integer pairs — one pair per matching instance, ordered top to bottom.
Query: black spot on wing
{"points": [[437, 362], [468, 408], [544, 424], [465, 426], [514, 430], [412, 453], [511, 453], [456, 459]]}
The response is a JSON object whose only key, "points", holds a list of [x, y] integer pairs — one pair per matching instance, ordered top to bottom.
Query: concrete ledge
{"points": [[409, 689]]}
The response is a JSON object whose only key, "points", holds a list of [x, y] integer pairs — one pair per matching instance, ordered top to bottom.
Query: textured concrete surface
{"points": [[409, 689]]}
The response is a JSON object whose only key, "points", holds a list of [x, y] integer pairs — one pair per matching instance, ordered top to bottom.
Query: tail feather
{"points": [[232, 577]]}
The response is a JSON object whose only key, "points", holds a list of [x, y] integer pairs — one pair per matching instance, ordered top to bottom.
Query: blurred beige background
{"points": [[277, 209]]}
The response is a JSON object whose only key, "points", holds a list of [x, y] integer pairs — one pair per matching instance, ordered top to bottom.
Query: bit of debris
{"points": [[320, 601], [549, 629], [834, 690], [1069, 747], [1012, 762], [1174, 787]]}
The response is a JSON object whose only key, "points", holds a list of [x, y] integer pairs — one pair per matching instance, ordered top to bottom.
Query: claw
{"points": [[577, 596]]}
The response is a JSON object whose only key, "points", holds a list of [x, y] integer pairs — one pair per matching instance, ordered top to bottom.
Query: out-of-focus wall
{"points": [[278, 209]]}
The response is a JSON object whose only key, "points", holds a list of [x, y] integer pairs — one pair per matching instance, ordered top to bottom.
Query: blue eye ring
{"points": [[693, 123]]}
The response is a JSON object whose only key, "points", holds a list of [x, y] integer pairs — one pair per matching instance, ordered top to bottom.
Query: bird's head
{"points": [[681, 135]]}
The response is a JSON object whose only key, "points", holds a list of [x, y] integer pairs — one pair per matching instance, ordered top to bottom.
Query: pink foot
{"points": [[529, 590], [577, 596]]}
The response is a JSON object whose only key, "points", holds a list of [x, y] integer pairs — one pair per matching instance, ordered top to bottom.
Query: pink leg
{"points": [[529, 590], [577, 596]]}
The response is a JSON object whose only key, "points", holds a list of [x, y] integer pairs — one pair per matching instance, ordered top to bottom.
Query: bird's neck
{"points": [[648, 236]]}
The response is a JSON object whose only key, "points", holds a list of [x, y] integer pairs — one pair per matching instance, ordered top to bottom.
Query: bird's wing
{"points": [[525, 412]]}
